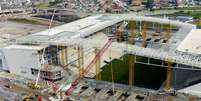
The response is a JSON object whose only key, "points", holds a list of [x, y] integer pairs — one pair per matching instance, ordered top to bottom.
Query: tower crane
{"points": [[88, 68]]}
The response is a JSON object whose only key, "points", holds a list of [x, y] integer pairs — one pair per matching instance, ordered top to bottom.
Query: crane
{"points": [[43, 63], [88, 68], [34, 85]]}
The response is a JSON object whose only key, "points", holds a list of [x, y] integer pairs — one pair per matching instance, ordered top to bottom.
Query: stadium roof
{"points": [[76, 29], [191, 43]]}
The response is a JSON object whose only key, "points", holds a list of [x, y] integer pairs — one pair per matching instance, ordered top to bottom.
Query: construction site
{"points": [[96, 56], [108, 57]]}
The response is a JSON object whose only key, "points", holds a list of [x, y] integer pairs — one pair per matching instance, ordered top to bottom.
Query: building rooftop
{"points": [[79, 28], [75, 33], [191, 43], [26, 47], [194, 89]]}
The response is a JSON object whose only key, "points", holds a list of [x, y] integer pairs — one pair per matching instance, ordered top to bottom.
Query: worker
{"points": [[39, 98]]}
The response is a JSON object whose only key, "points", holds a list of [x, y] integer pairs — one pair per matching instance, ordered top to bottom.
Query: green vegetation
{"points": [[55, 2], [42, 5], [181, 8], [194, 14], [26, 21], [198, 23], [146, 76]]}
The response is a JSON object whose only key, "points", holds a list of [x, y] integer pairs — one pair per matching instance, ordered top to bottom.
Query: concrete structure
{"points": [[184, 18], [191, 44], [26, 61], [194, 90]]}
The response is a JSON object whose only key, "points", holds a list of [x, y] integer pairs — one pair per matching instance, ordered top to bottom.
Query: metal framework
{"points": [[91, 64]]}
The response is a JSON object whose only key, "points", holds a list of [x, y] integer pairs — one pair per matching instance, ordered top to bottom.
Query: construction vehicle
{"points": [[88, 68], [32, 85], [27, 98]]}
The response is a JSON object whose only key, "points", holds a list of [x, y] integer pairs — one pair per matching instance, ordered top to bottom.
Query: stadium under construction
{"points": [[79, 58]]}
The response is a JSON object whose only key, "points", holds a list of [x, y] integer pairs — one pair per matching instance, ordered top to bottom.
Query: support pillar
{"points": [[132, 34], [144, 36], [60, 55], [63, 56], [66, 57], [80, 59], [98, 65], [131, 69], [168, 82]]}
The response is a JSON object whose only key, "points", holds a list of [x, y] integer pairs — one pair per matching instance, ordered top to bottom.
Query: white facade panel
{"points": [[21, 61], [3, 64]]}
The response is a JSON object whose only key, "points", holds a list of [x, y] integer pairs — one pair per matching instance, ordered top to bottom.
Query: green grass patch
{"points": [[55, 2], [43, 5], [180, 8], [194, 14], [26, 21], [198, 23], [146, 76]]}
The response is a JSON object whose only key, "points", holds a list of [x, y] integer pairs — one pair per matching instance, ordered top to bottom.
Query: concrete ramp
{"points": [[194, 90]]}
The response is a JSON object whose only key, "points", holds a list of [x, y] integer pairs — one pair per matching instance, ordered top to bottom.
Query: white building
{"points": [[27, 59]]}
